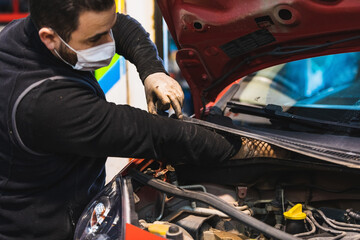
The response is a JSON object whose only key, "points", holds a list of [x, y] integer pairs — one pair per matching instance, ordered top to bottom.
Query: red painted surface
{"points": [[15, 6], [15, 14], [5, 18], [200, 27], [135, 163], [135, 233]]}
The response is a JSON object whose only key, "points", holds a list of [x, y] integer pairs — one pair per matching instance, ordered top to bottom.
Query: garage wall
{"points": [[129, 88]]}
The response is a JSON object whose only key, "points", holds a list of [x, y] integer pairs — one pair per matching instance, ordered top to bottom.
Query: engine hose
{"points": [[212, 201], [353, 214], [327, 220], [342, 224], [328, 230], [312, 231]]}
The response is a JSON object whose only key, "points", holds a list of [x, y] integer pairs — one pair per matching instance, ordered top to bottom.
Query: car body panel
{"points": [[214, 36], [313, 145], [133, 232]]}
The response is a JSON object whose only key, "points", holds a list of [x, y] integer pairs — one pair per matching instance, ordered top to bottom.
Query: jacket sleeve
{"points": [[133, 43], [61, 117]]}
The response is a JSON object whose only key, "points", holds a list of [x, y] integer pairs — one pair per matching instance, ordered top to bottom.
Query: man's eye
{"points": [[95, 39]]}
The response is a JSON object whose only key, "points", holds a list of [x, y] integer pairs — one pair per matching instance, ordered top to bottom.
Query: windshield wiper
{"points": [[275, 112]]}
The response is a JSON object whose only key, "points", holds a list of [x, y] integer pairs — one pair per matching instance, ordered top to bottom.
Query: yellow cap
{"points": [[295, 213], [159, 229]]}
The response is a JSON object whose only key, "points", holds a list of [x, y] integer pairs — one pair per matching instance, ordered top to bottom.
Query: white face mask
{"points": [[92, 58]]}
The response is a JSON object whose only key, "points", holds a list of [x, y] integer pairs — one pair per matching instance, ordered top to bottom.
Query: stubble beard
{"points": [[67, 54]]}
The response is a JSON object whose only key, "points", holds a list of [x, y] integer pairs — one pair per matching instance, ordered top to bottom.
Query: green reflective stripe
{"points": [[102, 71]]}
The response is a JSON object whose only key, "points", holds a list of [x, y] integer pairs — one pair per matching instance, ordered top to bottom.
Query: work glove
{"points": [[162, 91], [251, 148]]}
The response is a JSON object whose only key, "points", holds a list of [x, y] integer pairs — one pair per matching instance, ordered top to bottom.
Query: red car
{"points": [[297, 107]]}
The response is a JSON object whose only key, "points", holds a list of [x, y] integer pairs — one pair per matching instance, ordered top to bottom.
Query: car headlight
{"points": [[104, 218]]}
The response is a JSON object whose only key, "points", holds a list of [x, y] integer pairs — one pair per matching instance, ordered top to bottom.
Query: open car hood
{"points": [[221, 41]]}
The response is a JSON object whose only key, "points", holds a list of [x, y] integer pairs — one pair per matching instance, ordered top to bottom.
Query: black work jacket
{"points": [[57, 129]]}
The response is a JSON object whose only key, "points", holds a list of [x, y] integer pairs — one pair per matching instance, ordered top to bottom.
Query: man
{"points": [[56, 128]]}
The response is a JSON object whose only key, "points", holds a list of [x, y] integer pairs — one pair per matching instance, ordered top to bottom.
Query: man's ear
{"points": [[49, 38]]}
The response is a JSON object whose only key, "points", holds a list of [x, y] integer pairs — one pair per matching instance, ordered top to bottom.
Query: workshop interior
{"points": [[281, 77]]}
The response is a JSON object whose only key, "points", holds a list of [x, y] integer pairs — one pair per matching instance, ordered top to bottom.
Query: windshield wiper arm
{"points": [[272, 111]]}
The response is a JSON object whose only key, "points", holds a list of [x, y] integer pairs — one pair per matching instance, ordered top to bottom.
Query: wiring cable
{"points": [[213, 201], [327, 220], [328, 230], [312, 231]]}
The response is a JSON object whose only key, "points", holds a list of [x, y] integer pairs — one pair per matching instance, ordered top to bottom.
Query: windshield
{"points": [[325, 88]]}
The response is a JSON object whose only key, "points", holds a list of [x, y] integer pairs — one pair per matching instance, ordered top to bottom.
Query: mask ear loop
{"points": [[112, 35], [66, 44], [58, 54], [63, 59]]}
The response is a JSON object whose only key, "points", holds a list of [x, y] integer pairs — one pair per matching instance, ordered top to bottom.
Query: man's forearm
{"points": [[133, 42]]}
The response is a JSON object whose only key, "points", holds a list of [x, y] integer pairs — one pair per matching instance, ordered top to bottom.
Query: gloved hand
{"points": [[161, 91], [251, 148]]}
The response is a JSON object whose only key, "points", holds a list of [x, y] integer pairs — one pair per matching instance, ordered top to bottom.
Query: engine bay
{"points": [[305, 198]]}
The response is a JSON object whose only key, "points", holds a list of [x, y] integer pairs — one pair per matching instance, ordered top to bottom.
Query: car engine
{"points": [[302, 196]]}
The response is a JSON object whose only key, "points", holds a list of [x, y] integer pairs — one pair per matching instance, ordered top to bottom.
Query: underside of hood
{"points": [[221, 41]]}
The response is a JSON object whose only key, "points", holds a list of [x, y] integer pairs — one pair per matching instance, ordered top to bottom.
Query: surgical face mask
{"points": [[92, 58]]}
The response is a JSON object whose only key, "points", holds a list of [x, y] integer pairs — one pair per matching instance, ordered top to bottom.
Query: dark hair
{"points": [[63, 15]]}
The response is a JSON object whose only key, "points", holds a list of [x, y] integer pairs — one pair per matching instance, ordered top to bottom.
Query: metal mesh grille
{"points": [[254, 148]]}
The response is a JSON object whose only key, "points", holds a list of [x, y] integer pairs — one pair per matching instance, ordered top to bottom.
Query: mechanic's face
{"points": [[93, 30]]}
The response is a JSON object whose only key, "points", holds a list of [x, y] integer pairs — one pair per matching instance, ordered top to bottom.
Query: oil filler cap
{"points": [[295, 213], [295, 220], [158, 229]]}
